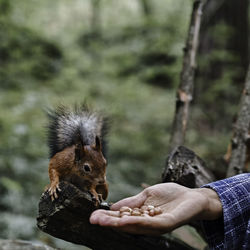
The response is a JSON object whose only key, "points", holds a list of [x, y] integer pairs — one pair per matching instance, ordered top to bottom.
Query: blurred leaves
{"points": [[26, 57], [126, 65]]}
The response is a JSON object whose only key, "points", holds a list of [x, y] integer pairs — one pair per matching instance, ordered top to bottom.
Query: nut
{"points": [[150, 207], [144, 208], [125, 209], [136, 209], [158, 210], [152, 212], [136, 213], [125, 214]]}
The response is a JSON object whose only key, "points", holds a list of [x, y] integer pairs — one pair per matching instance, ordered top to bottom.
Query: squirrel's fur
{"points": [[68, 127], [76, 143]]}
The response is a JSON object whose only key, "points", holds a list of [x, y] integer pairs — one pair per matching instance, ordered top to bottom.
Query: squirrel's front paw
{"points": [[54, 187], [95, 197], [100, 198], [95, 200]]}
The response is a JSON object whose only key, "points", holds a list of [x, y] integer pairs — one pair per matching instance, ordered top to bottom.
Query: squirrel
{"points": [[76, 145]]}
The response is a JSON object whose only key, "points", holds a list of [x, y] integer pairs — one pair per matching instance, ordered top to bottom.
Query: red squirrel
{"points": [[76, 140]]}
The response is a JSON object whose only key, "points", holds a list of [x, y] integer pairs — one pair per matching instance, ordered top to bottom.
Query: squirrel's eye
{"points": [[86, 168]]}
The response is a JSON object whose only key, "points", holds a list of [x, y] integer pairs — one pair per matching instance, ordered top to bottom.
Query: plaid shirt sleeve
{"points": [[232, 231]]}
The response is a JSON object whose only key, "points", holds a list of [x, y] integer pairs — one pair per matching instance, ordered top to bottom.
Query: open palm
{"points": [[179, 206]]}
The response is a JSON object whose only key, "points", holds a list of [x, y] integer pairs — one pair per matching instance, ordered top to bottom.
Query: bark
{"points": [[185, 91], [241, 138], [184, 167], [67, 218]]}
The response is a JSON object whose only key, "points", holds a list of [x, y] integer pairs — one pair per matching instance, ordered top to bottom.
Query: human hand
{"points": [[179, 206]]}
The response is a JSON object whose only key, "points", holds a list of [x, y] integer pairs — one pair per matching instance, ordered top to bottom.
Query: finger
{"points": [[134, 201], [101, 213], [108, 218], [112, 219], [131, 224], [144, 225]]}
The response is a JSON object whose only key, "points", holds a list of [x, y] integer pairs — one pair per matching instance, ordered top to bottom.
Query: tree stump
{"points": [[186, 168]]}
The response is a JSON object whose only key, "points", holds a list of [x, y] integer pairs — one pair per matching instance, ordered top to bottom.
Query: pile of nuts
{"points": [[146, 210]]}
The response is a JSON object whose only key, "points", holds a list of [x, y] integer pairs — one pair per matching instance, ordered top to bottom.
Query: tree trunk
{"points": [[185, 91], [241, 138]]}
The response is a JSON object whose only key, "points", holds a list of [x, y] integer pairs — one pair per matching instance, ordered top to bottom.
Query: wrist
{"points": [[212, 208]]}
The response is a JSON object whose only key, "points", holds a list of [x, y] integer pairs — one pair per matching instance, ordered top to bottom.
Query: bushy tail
{"points": [[67, 127]]}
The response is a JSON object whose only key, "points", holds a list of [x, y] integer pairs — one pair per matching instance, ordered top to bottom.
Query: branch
{"points": [[185, 91], [241, 137], [67, 218]]}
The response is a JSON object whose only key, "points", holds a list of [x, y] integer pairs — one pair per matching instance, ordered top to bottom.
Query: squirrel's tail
{"points": [[67, 127]]}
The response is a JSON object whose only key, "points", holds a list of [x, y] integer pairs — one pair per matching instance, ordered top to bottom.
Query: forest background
{"points": [[124, 58]]}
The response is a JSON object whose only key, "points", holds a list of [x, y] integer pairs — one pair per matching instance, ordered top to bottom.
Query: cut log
{"points": [[186, 168], [67, 218]]}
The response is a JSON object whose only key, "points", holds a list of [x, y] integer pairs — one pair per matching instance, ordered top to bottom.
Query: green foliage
{"points": [[5, 7], [26, 58], [128, 69], [220, 78]]}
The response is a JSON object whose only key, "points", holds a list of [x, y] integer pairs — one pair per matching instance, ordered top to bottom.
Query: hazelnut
{"points": [[150, 207], [144, 208], [125, 209], [136, 209], [158, 210], [152, 212], [136, 213], [125, 214]]}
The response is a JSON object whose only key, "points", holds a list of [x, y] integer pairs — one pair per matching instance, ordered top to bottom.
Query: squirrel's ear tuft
{"points": [[98, 144], [79, 152]]}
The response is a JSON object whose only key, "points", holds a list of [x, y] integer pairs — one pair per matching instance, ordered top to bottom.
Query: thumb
{"points": [[134, 201]]}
